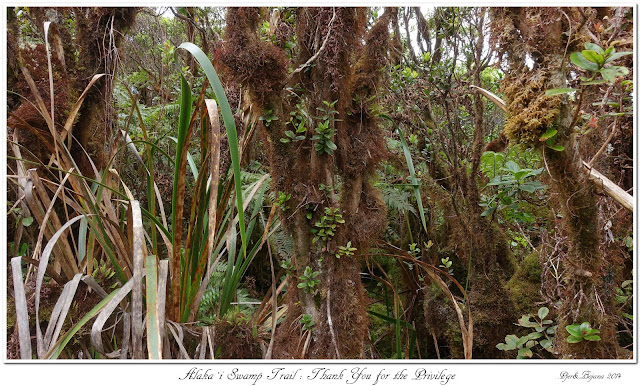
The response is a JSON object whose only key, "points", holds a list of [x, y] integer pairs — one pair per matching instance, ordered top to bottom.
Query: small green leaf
{"points": [[594, 47], [610, 51], [617, 55], [594, 57], [579, 60], [611, 73], [597, 81], [559, 91], [550, 133], [556, 147], [27, 221], [543, 312], [525, 322], [584, 326], [540, 328], [551, 330], [574, 330], [534, 335], [592, 337], [574, 339], [522, 340], [511, 342], [531, 343], [545, 343], [501, 347], [526, 352]]}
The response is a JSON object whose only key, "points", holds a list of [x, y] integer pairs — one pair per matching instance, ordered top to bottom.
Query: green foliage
{"points": [[596, 60], [268, 117], [298, 121], [325, 129], [512, 181], [282, 200], [325, 228], [345, 251], [446, 264], [308, 281], [624, 298], [208, 311], [307, 322], [543, 329], [579, 332]]}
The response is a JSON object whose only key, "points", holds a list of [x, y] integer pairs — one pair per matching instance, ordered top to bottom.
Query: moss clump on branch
{"points": [[530, 111]]}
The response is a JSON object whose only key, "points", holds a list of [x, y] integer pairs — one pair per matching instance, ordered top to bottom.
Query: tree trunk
{"points": [[88, 48], [333, 66]]}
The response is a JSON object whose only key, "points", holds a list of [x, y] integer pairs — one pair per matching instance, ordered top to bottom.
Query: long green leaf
{"points": [[230, 126], [177, 200], [57, 348]]}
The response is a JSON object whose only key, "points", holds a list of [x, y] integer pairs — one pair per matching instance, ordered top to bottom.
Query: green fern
{"points": [[397, 199]]}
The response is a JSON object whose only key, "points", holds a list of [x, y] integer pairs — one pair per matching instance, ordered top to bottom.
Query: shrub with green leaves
{"points": [[512, 181], [346, 250], [543, 335]]}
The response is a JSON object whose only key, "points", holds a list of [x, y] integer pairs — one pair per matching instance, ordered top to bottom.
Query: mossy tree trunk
{"points": [[541, 34], [84, 42], [333, 65]]}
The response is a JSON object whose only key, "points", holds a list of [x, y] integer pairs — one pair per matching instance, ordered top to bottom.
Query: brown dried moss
{"points": [[248, 59], [529, 111], [236, 341]]}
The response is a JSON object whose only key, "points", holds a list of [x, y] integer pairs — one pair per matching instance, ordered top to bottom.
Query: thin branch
{"points": [[333, 334]]}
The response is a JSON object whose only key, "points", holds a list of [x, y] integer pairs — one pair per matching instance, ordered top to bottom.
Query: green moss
{"points": [[530, 111], [524, 286]]}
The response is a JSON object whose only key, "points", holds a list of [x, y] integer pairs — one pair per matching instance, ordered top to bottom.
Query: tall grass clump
{"points": [[94, 231]]}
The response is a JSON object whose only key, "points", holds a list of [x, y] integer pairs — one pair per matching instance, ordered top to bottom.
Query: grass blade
{"points": [[76, 107], [229, 122], [177, 201], [44, 261], [138, 271], [163, 275], [107, 306], [60, 310], [22, 315], [154, 338], [57, 348]]}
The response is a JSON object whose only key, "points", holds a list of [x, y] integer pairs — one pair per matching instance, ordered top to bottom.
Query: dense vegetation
{"points": [[320, 183]]}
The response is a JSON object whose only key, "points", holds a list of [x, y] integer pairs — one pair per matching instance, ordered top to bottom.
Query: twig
{"points": [[333, 335], [435, 343]]}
